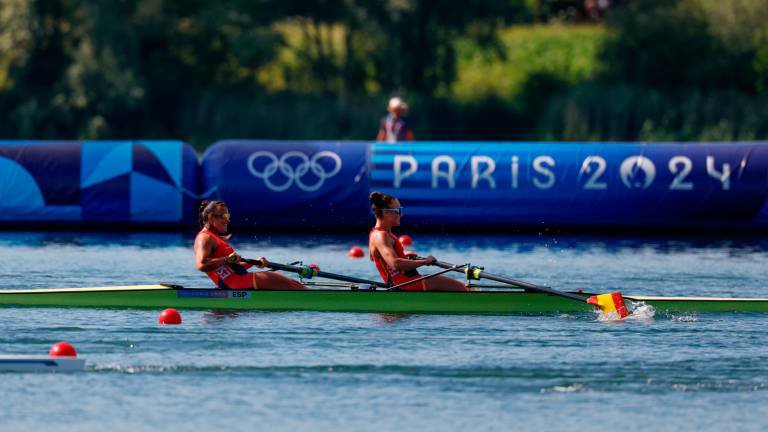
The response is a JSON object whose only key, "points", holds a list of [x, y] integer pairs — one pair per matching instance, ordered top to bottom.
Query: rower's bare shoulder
{"points": [[380, 237], [204, 239]]}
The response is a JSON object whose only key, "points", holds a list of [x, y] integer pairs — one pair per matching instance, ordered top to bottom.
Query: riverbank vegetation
{"points": [[477, 70]]}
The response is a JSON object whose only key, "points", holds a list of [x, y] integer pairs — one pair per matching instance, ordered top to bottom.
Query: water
{"points": [[322, 371]]}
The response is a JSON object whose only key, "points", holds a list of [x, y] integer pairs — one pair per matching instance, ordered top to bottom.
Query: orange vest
{"points": [[228, 276], [394, 276]]}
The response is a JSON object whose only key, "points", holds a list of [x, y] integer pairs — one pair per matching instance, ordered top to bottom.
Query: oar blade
{"points": [[610, 303]]}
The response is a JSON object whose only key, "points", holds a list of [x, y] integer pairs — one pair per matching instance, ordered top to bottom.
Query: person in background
{"points": [[394, 127]]}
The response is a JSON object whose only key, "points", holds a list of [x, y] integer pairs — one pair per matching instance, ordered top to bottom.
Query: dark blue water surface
{"points": [[329, 371]]}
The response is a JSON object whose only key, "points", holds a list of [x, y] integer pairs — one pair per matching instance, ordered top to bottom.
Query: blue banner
{"points": [[98, 182], [289, 184], [315, 185], [597, 185]]}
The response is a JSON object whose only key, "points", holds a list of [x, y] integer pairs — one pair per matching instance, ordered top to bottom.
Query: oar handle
{"points": [[309, 272], [474, 272]]}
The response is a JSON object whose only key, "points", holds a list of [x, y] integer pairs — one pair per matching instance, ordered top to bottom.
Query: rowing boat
{"points": [[346, 300]]}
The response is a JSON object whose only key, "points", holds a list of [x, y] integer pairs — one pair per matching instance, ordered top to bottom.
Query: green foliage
{"points": [[556, 10], [671, 44], [566, 53], [83, 69], [110, 69], [299, 69], [682, 70], [622, 112], [214, 116]]}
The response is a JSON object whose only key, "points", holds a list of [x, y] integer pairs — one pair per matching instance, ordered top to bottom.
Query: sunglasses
{"points": [[398, 210], [224, 216]]}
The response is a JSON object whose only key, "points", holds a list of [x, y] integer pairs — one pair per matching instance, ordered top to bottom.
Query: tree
{"points": [[670, 44]]}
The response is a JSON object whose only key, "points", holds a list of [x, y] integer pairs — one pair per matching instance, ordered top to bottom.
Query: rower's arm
{"points": [[204, 246], [386, 247]]}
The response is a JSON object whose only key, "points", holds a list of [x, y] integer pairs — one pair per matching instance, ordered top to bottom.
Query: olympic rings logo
{"points": [[294, 174]]}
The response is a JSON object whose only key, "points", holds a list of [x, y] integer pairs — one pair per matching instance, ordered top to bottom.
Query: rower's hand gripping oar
{"points": [[308, 272], [608, 303]]}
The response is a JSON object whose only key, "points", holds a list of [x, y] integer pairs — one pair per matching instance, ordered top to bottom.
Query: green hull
{"points": [[495, 302]]}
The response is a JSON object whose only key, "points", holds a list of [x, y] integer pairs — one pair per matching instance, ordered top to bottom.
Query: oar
{"points": [[309, 272], [429, 276], [606, 302]]}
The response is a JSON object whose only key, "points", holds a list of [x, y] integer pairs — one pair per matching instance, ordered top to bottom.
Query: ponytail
{"points": [[379, 200], [206, 207]]}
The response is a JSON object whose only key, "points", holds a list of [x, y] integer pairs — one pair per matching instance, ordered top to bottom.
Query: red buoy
{"points": [[405, 240], [356, 252], [315, 266], [170, 316], [62, 349]]}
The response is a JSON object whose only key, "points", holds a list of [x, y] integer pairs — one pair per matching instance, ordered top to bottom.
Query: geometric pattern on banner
{"points": [[103, 160], [161, 160], [55, 166], [131, 180], [18, 188], [108, 200], [153, 200]]}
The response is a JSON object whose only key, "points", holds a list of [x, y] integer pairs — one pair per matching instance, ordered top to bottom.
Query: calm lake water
{"points": [[351, 372]]}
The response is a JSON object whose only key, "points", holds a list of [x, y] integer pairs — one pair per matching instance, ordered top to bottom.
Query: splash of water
{"points": [[637, 311], [642, 312], [608, 317], [685, 318], [573, 388]]}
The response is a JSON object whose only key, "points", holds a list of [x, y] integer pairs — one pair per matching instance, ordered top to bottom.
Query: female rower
{"points": [[388, 255], [215, 257]]}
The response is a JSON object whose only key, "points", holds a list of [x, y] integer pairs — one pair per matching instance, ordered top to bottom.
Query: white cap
{"points": [[396, 103]]}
